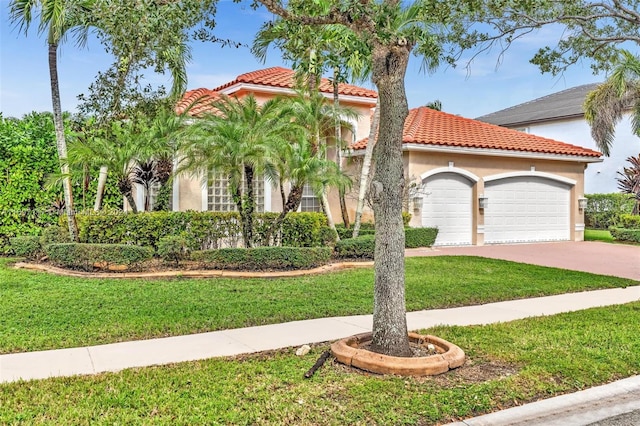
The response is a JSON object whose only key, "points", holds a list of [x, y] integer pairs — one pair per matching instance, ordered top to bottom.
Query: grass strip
{"points": [[41, 311], [508, 364]]}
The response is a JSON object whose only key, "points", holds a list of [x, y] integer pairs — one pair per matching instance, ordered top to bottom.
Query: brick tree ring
{"points": [[350, 352]]}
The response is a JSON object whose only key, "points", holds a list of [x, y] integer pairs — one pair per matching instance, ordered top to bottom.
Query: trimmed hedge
{"points": [[604, 210], [629, 221], [366, 228], [203, 230], [55, 234], [624, 234], [420, 237], [28, 246], [363, 247], [356, 248], [173, 249], [88, 257], [263, 258]]}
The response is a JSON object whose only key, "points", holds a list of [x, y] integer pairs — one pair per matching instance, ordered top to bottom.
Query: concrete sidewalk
{"points": [[118, 356]]}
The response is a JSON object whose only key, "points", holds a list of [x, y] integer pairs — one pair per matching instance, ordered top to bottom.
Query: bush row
{"points": [[605, 210], [202, 230], [625, 234], [363, 247], [87, 257], [263, 258]]}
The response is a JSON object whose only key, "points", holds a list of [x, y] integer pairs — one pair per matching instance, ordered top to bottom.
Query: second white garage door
{"points": [[447, 205], [526, 209]]}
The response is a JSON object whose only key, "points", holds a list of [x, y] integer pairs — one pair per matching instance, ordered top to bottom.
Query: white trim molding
{"points": [[450, 169], [543, 175], [579, 227]]}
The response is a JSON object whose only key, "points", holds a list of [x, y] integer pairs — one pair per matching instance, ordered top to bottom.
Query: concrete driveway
{"points": [[589, 256]]}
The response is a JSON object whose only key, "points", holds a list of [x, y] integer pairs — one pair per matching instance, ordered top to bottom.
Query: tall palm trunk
{"points": [[338, 137], [61, 143], [366, 167], [102, 182], [389, 310]]}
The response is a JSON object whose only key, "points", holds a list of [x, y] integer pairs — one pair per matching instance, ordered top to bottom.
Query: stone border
{"points": [[199, 273], [347, 351]]}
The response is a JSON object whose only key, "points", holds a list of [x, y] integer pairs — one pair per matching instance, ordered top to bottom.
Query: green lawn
{"points": [[598, 235], [41, 311], [509, 363]]}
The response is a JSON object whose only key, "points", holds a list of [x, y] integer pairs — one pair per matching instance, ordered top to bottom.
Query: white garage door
{"points": [[447, 205], [526, 209]]}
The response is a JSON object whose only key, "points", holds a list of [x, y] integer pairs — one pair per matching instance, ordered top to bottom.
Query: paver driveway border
{"points": [[619, 260]]}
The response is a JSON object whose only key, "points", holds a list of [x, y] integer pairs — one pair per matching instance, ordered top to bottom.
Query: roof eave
{"points": [[291, 92], [491, 152]]}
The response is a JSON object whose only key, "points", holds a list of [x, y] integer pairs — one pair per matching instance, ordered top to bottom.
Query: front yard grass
{"points": [[598, 235], [40, 311], [520, 361]]}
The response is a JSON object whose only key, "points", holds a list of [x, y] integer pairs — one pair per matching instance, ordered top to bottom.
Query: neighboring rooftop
{"points": [[564, 104], [425, 126]]}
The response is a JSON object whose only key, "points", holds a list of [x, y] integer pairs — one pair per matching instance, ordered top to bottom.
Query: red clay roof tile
{"points": [[285, 78], [197, 101], [425, 126]]}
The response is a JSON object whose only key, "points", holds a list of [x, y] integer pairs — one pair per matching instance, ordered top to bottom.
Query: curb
{"points": [[198, 273]]}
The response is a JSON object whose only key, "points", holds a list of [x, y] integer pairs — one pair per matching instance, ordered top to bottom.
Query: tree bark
{"points": [[61, 143], [366, 167], [102, 181], [248, 209], [389, 311]]}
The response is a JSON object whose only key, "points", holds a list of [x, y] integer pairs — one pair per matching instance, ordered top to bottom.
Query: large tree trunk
{"points": [[61, 143], [366, 166], [102, 182], [389, 311]]}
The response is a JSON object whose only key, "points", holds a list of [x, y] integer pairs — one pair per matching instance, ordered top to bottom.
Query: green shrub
{"points": [[604, 210], [406, 218], [629, 221], [203, 230], [54, 234], [624, 234], [420, 237], [28, 246], [356, 248], [173, 249], [87, 257], [263, 258]]}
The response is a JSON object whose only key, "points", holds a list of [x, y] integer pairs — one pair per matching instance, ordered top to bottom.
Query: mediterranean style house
{"points": [[561, 116], [478, 183]]}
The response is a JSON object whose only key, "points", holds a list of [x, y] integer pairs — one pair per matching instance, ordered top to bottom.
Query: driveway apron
{"points": [[589, 256]]}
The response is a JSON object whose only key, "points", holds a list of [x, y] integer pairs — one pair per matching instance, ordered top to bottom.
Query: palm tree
{"points": [[57, 18], [311, 50], [605, 106], [237, 140], [122, 154], [629, 181]]}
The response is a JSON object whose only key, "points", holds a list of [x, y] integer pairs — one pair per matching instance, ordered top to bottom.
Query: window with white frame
{"points": [[219, 197], [309, 203]]}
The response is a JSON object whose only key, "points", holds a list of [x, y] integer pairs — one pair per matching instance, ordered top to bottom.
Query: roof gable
{"points": [[284, 78], [198, 101], [565, 104], [425, 126]]}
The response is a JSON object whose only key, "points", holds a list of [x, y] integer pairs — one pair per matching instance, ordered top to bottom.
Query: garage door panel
{"points": [[447, 205], [527, 209]]}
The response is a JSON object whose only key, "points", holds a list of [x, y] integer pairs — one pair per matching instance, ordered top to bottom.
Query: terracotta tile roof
{"points": [[284, 78], [198, 100], [429, 127]]}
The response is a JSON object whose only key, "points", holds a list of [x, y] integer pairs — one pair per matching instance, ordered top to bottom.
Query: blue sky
{"points": [[484, 88]]}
